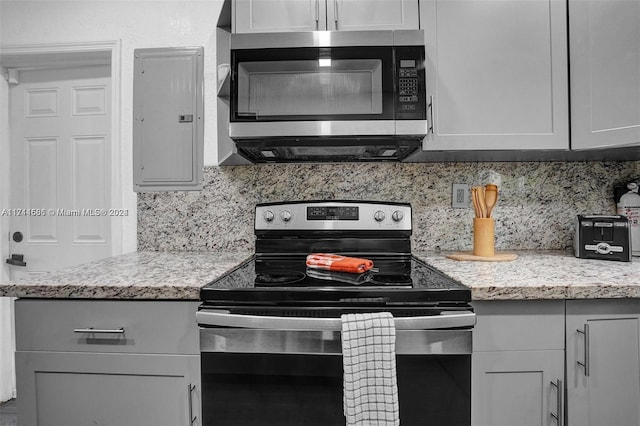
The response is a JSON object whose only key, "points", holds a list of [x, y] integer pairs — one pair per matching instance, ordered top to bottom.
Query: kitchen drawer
{"points": [[519, 325], [154, 327]]}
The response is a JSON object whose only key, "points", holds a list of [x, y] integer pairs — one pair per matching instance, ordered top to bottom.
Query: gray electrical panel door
{"points": [[168, 119]]}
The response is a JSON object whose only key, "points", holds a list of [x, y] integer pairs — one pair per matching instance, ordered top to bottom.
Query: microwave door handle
{"points": [[335, 13], [317, 15], [225, 319]]}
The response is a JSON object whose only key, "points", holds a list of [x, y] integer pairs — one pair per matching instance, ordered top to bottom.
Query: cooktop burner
{"points": [[292, 271], [279, 278]]}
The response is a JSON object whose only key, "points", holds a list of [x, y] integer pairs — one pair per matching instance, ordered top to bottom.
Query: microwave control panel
{"points": [[410, 80]]}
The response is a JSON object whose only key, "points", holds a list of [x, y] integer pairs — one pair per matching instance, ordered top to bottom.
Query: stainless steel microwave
{"points": [[328, 95]]}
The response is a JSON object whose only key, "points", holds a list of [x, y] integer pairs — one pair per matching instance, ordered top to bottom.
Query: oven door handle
{"points": [[222, 318]]}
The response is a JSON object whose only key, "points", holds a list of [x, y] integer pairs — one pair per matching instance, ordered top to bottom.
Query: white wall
{"points": [[137, 24]]}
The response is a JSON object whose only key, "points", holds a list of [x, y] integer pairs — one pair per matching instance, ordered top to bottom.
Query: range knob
{"points": [[285, 215], [268, 216], [379, 216], [397, 216]]}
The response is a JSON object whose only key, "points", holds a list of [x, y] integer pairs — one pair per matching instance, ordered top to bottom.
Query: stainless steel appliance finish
{"points": [[327, 39], [327, 95], [389, 128], [371, 216], [223, 318], [270, 330], [408, 342]]}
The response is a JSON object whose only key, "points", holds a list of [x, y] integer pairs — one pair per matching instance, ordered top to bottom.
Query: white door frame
{"points": [[14, 58]]}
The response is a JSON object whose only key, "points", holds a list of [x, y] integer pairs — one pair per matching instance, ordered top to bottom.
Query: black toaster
{"points": [[603, 237]]}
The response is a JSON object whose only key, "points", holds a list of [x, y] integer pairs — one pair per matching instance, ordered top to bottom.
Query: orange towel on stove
{"points": [[334, 262]]}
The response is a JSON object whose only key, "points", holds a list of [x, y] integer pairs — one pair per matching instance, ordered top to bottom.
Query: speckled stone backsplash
{"points": [[537, 205]]}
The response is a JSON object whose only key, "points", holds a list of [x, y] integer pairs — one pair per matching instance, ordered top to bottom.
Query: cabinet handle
{"points": [[335, 12], [317, 15], [430, 106], [92, 330], [586, 362], [190, 389], [558, 414]]}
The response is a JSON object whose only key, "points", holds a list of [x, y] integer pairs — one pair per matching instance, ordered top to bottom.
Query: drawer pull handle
{"points": [[92, 330], [586, 363], [559, 390], [192, 418]]}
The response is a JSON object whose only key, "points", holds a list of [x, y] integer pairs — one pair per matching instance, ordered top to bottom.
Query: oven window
{"points": [[287, 390]]}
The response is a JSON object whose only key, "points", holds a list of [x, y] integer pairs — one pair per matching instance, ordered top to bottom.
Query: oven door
{"points": [[269, 374]]}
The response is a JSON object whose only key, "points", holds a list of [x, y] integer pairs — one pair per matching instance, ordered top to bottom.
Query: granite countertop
{"points": [[141, 275], [180, 275], [542, 275]]}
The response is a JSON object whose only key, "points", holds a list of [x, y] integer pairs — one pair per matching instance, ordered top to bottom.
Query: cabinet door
{"points": [[372, 15], [260, 16], [497, 72], [605, 73], [168, 110], [603, 362], [517, 388], [69, 389]]}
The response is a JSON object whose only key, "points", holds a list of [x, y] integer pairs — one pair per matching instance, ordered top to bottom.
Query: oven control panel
{"points": [[333, 215]]}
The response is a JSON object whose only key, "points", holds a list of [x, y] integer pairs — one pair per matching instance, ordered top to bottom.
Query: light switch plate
{"points": [[460, 196]]}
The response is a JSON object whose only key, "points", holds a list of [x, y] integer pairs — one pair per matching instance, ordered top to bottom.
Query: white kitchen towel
{"points": [[369, 360]]}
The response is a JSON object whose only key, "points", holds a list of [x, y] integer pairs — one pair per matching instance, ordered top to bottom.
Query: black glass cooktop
{"points": [[281, 279]]}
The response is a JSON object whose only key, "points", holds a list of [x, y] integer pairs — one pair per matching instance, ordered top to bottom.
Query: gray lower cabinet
{"points": [[603, 362], [107, 363], [518, 363], [513, 388], [65, 389]]}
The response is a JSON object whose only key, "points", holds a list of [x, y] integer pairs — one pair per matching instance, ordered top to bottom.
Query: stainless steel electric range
{"points": [[270, 328]]}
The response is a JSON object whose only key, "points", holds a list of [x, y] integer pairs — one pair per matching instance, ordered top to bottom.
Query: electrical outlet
{"points": [[460, 196]]}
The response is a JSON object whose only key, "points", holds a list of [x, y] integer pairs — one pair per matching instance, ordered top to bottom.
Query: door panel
{"points": [[349, 15], [257, 16], [605, 73], [498, 74], [160, 110], [168, 119], [89, 155], [41, 163], [60, 167], [615, 366], [514, 388], [77, 389], [609, 393]]}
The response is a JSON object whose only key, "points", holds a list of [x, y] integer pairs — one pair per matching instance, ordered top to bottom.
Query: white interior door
{"points": [[60, 168]]}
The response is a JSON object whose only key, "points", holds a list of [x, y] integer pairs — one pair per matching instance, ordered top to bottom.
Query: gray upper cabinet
{"points": [[255, 16], [605, 73], [497, 74], [168, 119]]}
